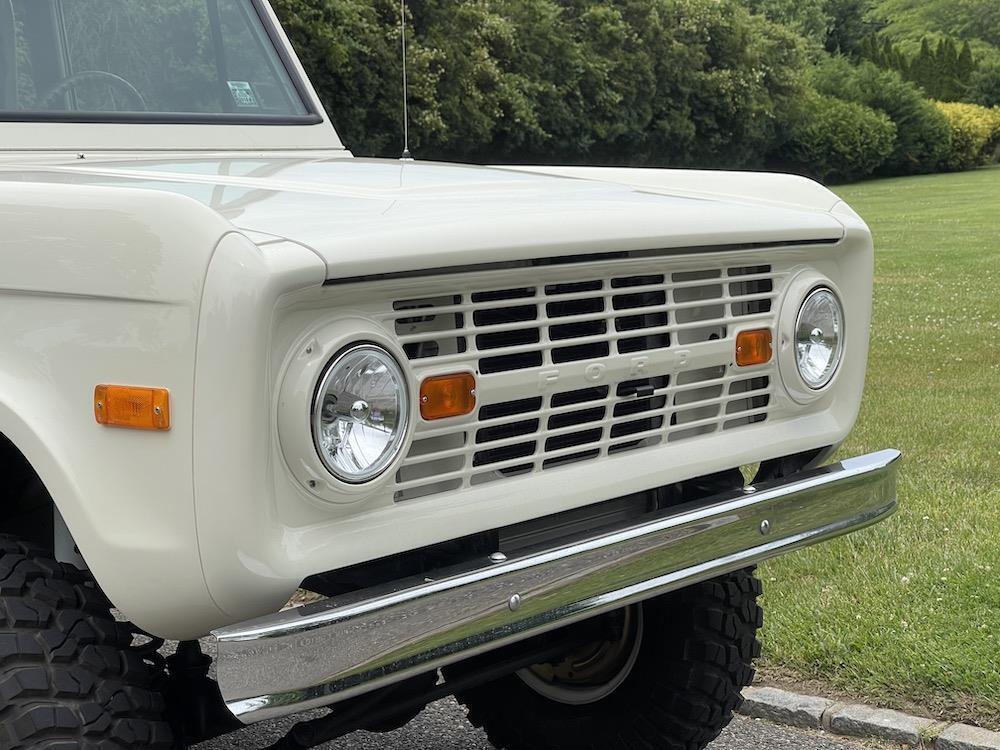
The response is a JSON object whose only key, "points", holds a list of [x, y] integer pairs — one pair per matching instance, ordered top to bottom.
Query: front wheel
{"points": [[69, 675], [669, 677]]}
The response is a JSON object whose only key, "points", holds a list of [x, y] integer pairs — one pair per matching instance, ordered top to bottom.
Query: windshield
{"points": [[161, 60]]}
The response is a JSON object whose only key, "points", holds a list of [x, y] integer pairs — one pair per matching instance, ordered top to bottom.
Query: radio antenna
{"points": [[406, 110]]}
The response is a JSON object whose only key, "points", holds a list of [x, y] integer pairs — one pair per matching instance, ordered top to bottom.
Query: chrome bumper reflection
{"points": [[338, 648]]}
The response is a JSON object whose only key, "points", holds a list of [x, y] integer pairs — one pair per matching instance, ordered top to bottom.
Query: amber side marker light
{"points": [[753, 347], [447, 396], [133, 407]]}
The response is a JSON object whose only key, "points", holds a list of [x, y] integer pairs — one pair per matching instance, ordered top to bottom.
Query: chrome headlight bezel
{"points": [[798, 290], [837, 347], [305, 367], [395, 444]]}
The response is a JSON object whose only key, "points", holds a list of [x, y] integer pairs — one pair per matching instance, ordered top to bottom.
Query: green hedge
{"points": [[682, 82], [707, 83], [923, 138], [838, 141]]}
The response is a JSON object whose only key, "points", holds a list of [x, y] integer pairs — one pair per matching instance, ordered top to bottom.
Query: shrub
{"points": [[678, 82], [984, 88], [975, 133], [923, 139], [834, 140]]}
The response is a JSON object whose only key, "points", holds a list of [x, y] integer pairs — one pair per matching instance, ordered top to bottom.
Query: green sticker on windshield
{"points": [[242, 93]]}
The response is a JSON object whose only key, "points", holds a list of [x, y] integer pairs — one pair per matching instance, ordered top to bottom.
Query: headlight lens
{"points": [[819, 337], [360, 413]]}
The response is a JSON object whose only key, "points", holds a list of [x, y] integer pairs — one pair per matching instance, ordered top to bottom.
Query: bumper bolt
{"points": [[765, 527], [515, 603]]}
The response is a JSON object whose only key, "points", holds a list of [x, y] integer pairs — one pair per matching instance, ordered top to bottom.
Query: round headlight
{"points": [[819, 337], [360, 413]]}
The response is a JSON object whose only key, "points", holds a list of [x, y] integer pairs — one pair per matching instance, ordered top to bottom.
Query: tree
{"points": [[808, 18], [910, 20], [848, 24], [351, 50], [884, 53], [922, 68], [965, 68], [984, 84], [947, 87], [923, 135]]}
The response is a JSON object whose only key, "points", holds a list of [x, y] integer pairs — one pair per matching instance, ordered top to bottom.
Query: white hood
{"points": [[366, 217]]}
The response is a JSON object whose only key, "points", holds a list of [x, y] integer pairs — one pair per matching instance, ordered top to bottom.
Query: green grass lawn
{"points": [[908, 613]]}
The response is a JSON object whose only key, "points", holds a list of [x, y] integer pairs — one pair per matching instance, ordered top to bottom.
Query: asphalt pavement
{"points": [[442, 726]]}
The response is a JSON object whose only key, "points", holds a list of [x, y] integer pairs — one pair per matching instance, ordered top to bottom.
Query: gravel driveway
{"points": [[442, 726]]}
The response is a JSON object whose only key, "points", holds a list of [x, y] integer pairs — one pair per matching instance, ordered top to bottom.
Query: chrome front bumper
{"points": [[326, 652]]}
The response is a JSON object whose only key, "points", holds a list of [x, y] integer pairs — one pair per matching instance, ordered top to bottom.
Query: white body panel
{"points": [[373, 216], [195, 258], [142, 271]]}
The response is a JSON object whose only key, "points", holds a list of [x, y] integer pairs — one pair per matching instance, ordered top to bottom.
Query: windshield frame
{"points": [[274, 36]]}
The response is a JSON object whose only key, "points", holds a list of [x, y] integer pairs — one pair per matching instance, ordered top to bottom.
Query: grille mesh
{"points": [[510, 336]]}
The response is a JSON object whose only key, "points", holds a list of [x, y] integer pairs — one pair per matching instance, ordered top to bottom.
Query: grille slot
{"points": [[580, 286], [755, 293], [503, 294], [639, 299], [585, 306], [500, 315], [427, 324], [578, 330], [514, 333], [506, 339], [595, 350], [490, 365], [579, 397], [510, 408], [750, 409], [573, 418], [504, 431], [504, 453], [422, 475]]}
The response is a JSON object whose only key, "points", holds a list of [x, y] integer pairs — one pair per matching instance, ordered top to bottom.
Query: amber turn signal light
{"points": [[753, 347], [447, 396], [133, 407]]}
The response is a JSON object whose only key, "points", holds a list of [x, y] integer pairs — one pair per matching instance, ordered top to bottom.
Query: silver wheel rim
{"points": [[592, 673]]}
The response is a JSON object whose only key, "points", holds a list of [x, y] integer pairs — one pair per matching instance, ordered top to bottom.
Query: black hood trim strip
{"points": [[573, 259]]}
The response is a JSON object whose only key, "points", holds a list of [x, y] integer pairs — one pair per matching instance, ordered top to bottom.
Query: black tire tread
{"points": [[68, 675], [684, 690]]}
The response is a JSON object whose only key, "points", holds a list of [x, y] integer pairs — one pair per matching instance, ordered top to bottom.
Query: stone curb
{"points": [[863, 722]]}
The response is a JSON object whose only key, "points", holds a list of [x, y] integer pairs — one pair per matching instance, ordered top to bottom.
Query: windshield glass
{"points": [[162, 60]]}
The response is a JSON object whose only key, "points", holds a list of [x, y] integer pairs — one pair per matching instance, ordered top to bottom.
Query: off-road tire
{"points": [[697, 653], [69, 676]]}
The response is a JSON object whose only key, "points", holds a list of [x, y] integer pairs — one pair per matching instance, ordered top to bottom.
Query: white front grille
{"points": [[583, 369]]}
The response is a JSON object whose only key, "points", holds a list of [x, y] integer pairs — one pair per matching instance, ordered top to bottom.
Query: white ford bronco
{"points": [[496, 420]]}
